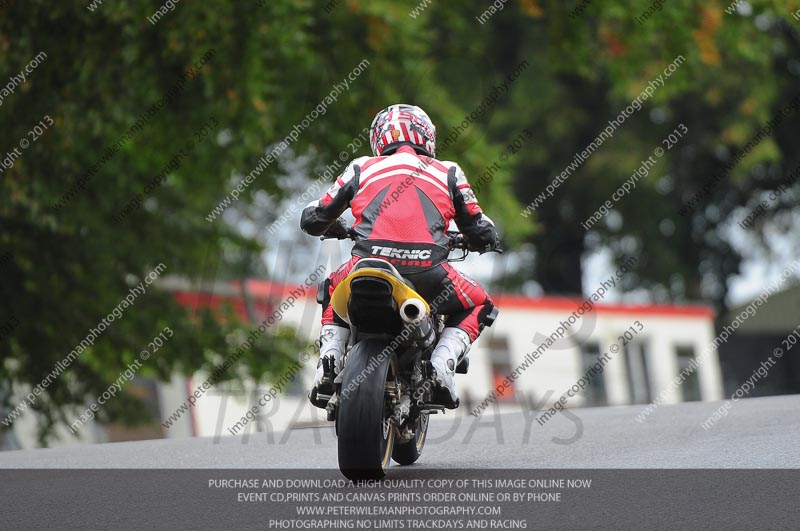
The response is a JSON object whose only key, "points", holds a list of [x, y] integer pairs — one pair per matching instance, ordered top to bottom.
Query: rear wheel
{"points": [[363, 424], [408, 452]]}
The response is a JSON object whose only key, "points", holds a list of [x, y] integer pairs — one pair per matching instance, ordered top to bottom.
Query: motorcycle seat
{"points": [[383, 265]]}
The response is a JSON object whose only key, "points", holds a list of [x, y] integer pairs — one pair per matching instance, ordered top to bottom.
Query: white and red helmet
{"points": [[402, 124]]}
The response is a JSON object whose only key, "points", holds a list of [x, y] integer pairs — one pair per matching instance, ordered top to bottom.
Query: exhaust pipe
{"points": [[413, 311], [418, 321]]}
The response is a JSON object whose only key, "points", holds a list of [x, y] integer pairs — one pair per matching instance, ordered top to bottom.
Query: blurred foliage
{"points": [[273, 62], [739, 70]]}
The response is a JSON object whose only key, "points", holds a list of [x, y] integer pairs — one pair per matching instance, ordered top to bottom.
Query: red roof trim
{"points": [[267, 288], [276, 292], [563, 303]]}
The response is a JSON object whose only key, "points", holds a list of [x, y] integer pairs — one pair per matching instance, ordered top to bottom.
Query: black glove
{"points": [[338, 229], [486, 248]]}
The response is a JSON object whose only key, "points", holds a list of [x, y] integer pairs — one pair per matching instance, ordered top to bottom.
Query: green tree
{"points": [[591, 64], [75, 242]]}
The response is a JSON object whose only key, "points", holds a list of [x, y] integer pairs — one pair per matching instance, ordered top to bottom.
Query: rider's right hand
{"points": [[457, 241], [486, 248]]}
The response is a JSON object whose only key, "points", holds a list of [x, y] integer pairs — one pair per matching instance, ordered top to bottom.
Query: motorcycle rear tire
{"points": [[363, 426], [408, 452]]}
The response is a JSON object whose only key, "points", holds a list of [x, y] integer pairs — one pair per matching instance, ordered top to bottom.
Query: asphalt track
{"points": [[756, 433], [672, 475]]}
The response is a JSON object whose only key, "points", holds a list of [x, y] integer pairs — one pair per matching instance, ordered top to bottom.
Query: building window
{"points": [[638, 373], [690, 388], [595, 393]]}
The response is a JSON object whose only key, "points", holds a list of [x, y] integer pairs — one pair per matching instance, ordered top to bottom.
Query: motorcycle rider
{"points": [[403, 200]]}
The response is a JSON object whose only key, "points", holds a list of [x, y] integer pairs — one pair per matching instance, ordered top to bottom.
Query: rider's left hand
{"points": [[338, 229]]}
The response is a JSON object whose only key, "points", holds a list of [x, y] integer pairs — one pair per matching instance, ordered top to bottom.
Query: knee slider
{"points": [[324, 293], [488, 315]]}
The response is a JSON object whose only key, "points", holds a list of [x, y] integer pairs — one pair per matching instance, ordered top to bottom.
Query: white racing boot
{"points": [[332, 346], [452, 346]]}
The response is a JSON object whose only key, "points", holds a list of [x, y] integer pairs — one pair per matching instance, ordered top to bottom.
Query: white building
{"points": [[663, 340]]}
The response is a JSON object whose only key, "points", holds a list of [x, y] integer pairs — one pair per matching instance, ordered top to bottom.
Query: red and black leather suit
{"points": [[403, 204]]}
